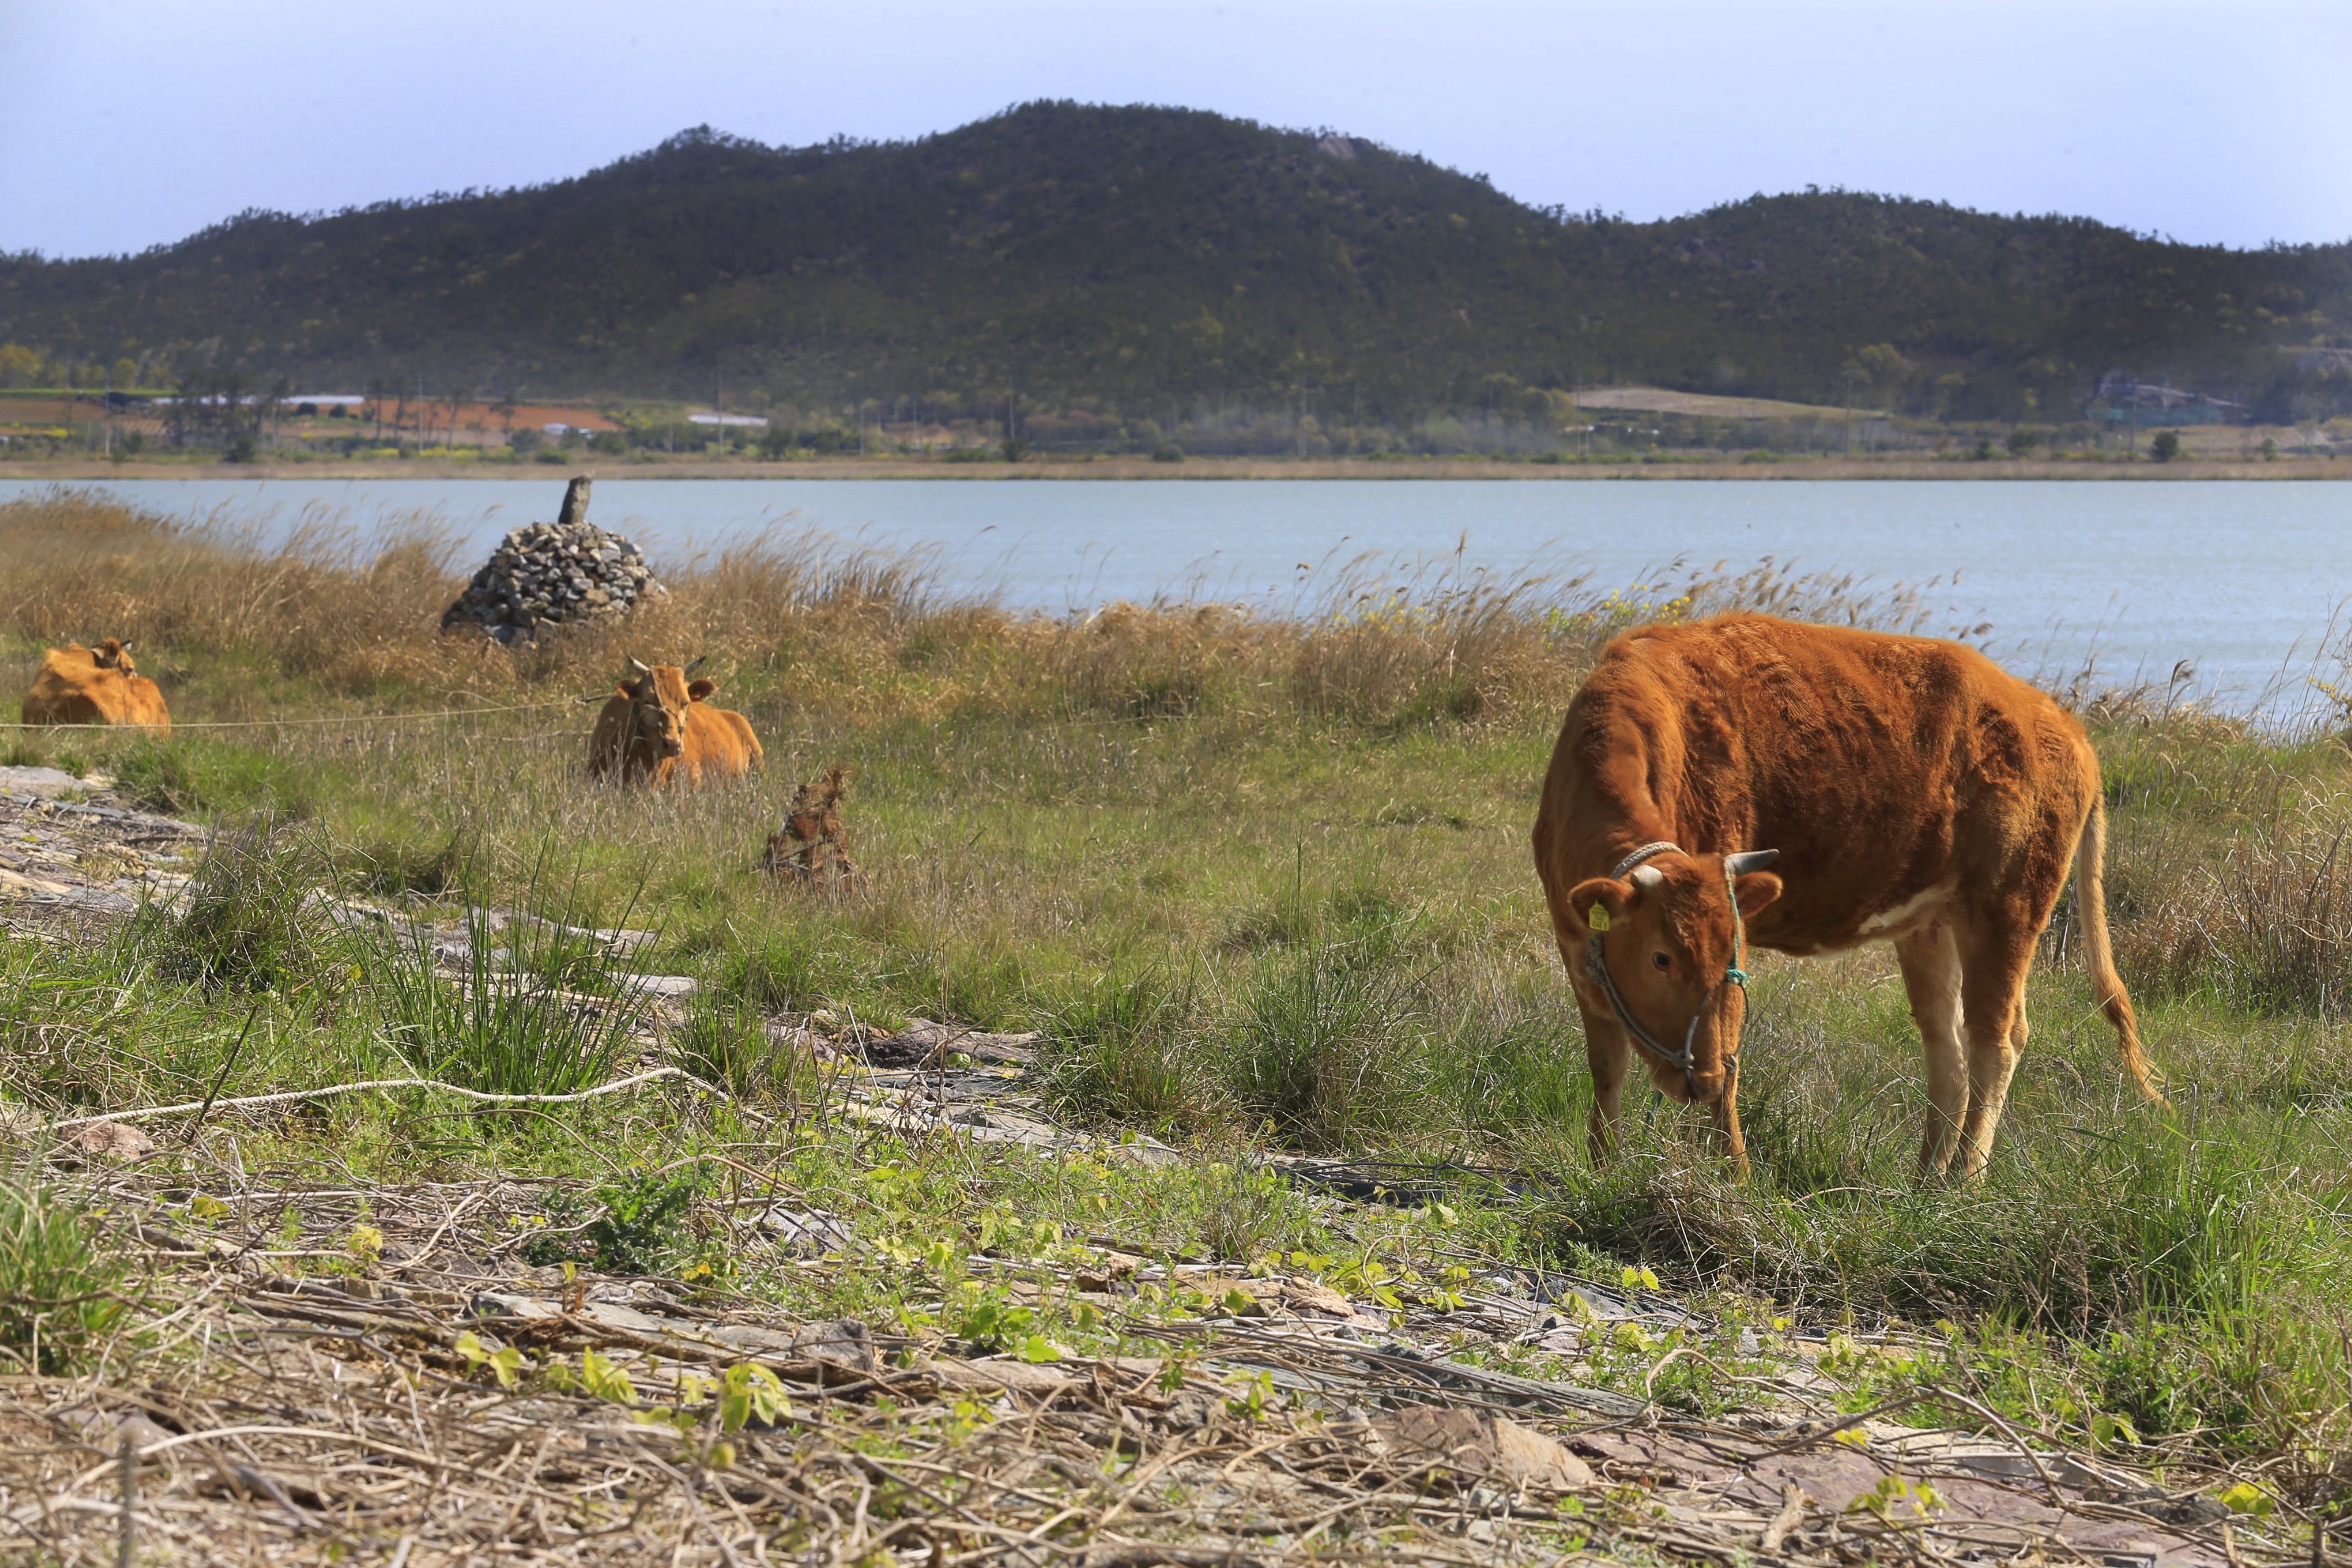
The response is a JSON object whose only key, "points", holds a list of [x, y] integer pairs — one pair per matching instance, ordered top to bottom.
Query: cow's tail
{"points": [[2098, 954]]}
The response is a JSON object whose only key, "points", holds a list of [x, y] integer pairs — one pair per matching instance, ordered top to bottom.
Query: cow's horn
{"points": [[699, 659], [639, 665], [1749, 860], [1648, 877]]}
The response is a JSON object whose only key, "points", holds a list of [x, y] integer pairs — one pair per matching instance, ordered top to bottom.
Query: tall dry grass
{"points": [[82, 566], [327, 614], [350, 615], [843, 631], [2232, 860]]}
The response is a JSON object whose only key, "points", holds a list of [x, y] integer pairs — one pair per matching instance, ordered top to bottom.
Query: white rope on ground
{"points": [[337, 718], [291, 1095]]}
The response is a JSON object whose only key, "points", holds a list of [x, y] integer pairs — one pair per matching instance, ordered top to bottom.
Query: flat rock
{"points": [[47, 782], [622, 939], [670, 986], [925, 1043], [109, 1139], [805, 1233], [1113, 1267], [1302, 1294], [628, 1320], [753, 1340], [843, 1342], [1443, 1373], [1012, 1376], [1473, 1444], [2003, 1513]]}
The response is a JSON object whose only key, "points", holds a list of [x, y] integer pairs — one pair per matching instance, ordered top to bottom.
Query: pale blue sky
{"points": [[128, 122]]}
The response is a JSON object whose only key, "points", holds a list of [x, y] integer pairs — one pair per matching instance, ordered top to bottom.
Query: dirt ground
{"points": [[395, 1383]]}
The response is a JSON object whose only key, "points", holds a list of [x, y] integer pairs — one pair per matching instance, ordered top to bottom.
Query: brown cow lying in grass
{"points": [[99, 685], [656, 723], [1903, 789]]}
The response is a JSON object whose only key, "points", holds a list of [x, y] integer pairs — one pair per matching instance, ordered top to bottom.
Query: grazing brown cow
{"points": [[99, 685], [658, 723], [1905, 790]]}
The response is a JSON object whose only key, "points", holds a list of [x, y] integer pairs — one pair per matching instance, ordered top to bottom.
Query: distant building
{"points": [[2136, 404]]}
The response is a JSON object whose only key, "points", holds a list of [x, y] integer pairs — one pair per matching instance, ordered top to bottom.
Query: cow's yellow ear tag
{"points": [[1598, 919]]}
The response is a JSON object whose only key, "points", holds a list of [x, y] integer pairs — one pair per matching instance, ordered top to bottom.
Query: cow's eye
{"points": [[1661, 961]]}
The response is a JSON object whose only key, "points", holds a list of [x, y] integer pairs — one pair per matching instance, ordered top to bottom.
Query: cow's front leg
{"points": [[1610, 1055], [1728, 1141]]}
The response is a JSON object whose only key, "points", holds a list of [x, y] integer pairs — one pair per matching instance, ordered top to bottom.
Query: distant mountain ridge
{"points": [[1138, 254]]}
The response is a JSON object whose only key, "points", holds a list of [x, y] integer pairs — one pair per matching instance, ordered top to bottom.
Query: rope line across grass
{"points": [[339, 718], [372, 1085]]}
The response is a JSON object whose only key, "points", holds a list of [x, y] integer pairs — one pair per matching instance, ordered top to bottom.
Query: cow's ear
{"points": [[696, 690], [1756, 889], [1601, 903]]}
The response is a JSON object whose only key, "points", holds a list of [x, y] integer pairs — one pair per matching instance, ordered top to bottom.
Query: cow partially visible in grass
{"points": [[99, 685], [657, 725], [1900, 789], [811, 848]]}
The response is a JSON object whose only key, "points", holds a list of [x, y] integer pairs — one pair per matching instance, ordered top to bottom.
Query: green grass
{"points": [[1276, 915], [240, 924], [534, 1006], [63, 1292]]}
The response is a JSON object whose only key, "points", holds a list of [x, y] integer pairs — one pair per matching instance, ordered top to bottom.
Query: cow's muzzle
{"points": [[1709, 1044]]}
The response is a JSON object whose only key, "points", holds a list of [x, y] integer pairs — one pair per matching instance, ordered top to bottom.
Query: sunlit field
{"points": [[1263, 886]]}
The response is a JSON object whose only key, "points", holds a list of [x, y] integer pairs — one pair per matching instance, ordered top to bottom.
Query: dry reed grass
{"points": [[854, 633], [2230, 865], [2229, 871], [2260, 918]]}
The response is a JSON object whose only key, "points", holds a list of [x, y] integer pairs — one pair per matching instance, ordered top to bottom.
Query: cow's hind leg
{"points": [[1930, 958], [1992, 995]]}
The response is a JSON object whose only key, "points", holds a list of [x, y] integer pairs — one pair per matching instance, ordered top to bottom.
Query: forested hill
{"points": [[1140, 253]]}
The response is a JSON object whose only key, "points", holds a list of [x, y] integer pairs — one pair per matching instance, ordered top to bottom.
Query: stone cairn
{"points": [[565, 573]]}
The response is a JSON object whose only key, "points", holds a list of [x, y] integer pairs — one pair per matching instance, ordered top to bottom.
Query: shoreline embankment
{"points": [[1202, 469]]}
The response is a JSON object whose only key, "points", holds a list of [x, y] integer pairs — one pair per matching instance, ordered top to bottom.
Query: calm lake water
{"points": [[2244, 580]]}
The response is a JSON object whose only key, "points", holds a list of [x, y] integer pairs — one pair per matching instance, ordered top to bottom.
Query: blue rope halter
{"points": [[1596, 965]]}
